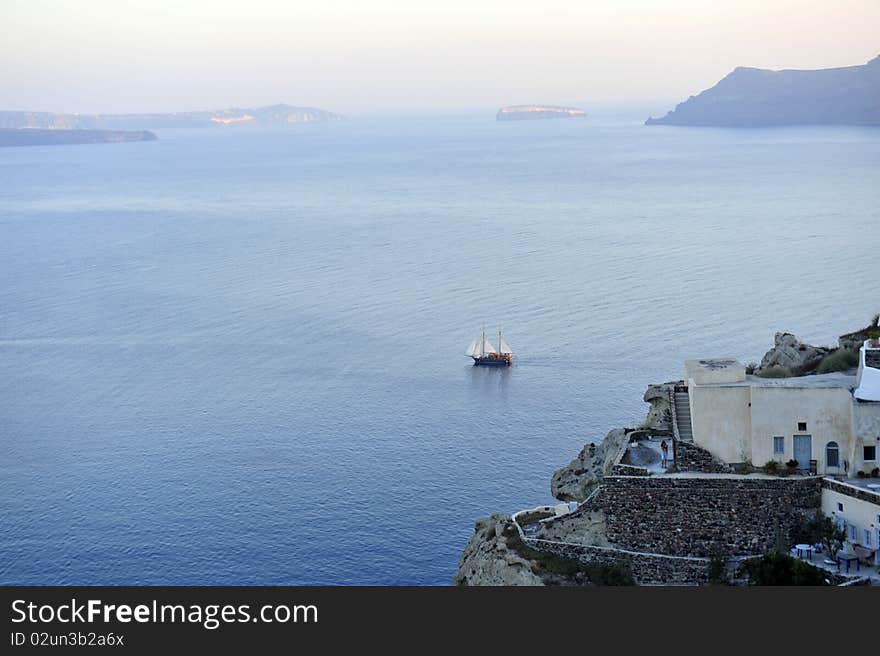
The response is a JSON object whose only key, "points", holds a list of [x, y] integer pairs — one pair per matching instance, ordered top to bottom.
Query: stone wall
{"points": [[691, 458], [628, 470], [852, 491], [701, 516], [646, 568]]}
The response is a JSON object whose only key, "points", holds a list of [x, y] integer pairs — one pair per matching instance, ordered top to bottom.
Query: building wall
{"points": [[828, 413], [721, 421], [867, 422], [860, 509]]}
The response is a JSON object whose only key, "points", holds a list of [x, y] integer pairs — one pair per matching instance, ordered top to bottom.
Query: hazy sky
{"points": [[353, 56]]}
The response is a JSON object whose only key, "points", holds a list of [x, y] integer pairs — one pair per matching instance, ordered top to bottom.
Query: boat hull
{"points": [[494, 360]]}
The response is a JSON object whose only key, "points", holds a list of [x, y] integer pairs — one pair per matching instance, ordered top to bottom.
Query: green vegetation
{"points": [[839, 360], [776, 371], [771, 467], [527, 518], [821, 529], [568, 567], [781, 569], [718, 570]]}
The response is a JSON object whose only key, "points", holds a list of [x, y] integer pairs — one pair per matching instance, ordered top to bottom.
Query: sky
{"points": [[407, 55]]}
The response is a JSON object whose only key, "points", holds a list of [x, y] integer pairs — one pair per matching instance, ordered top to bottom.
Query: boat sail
{"points": [[483, 351]]}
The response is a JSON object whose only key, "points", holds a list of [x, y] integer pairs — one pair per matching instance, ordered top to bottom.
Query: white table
{"points": [[804, 549]]}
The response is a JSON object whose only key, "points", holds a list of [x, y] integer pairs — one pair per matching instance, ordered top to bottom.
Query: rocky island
{"points": [[754, 97], [534, 112], [272, 115], [62, 137], [630, 516]]}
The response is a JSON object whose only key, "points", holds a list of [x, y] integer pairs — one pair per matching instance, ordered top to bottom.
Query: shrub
{"points": [[839, 360], [751, 367], [776, 371], [792, 464], [771, 467], [875, 473], [533, 517], [830, 536], [781, 569], [718, 570], [614, 574]]}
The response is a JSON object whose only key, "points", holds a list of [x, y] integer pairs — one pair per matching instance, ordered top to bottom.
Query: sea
{"points": [[236, 356]]}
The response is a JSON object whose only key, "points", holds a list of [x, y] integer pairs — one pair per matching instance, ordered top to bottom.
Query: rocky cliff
{"points": [[758, 97], [793, 355], [576, 480], [658, 522], [488, 560]]}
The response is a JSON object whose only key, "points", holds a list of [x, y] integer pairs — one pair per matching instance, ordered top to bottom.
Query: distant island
{"points": [[754, 97], [534, 112], [272, 115], [62, 137]]}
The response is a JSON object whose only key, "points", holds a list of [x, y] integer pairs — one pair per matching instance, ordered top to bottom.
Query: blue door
{"points": [[803, 450]]}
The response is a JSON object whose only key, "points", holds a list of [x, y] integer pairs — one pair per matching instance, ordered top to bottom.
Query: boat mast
{"points": [[483, 343]]}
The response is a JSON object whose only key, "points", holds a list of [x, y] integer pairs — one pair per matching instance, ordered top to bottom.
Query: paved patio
{"points": [[820, 560]]}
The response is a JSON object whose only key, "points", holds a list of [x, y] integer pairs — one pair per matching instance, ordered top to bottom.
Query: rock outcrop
{"points": [[750, 97], [854, 340], [792, 355], [660, 413], [575, 481], [488, 560]]}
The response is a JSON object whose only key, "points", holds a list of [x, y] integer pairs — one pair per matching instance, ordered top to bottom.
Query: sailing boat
{"points": [[482, 351]]}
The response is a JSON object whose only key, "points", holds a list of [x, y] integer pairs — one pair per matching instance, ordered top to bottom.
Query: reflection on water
{"points": [[489, 380]]}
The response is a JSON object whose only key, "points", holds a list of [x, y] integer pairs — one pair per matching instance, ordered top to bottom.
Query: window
{"points": [[802, 427], [778, 445], [870, 453], [832, 455], [839, 507], [841, 525], [853, 533], [867, 537]]}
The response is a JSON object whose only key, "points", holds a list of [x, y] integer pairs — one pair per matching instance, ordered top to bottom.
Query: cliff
{"points": [[754, 97], [534, 112], [272, 115], [46, 137], [577, 479], [647, 528], [488, 560]]}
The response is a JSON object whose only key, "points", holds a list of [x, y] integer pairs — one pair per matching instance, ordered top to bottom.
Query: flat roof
{"points": [[838, 379], [868, 484]]}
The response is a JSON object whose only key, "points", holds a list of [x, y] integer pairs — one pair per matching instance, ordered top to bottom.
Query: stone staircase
{"points": [[683, 416]]}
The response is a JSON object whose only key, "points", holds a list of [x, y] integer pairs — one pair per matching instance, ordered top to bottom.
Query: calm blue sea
{"points": [[236, 356]]}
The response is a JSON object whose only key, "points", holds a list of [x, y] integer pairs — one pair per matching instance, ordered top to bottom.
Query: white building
{"points": [[828, 424]]}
